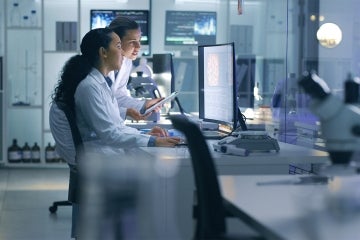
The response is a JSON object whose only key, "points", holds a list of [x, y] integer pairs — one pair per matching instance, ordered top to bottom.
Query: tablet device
{"points": [[167, 99]]}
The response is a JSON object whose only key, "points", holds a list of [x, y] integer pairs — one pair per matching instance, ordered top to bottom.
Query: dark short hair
{"points": [[122, 24]]}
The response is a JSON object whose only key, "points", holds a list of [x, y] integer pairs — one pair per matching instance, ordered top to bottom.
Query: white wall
{"points": [[337, 62]]}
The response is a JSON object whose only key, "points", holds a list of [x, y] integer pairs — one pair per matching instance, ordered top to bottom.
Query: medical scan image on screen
{"points": [[218, 83]]}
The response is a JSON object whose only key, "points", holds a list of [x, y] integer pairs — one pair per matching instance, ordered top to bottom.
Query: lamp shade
{"points": [[329, 35]]}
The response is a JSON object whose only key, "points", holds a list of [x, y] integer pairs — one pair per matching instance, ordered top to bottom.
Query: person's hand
{"points": [[151, 102], [136, 115], [158, 132], [167, 141]]}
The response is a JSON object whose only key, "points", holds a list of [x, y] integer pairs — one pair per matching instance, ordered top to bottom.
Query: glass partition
{"points": [[275, 42]]}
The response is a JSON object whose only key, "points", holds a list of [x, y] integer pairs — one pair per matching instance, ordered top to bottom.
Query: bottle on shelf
{"points": [[15, 16], [33, 18], [25, 21], [14, 153], [26, 153], [35, 153], [50, 154]]}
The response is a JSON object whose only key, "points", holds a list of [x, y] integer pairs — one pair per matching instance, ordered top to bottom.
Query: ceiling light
{"points": [[329, 35]]}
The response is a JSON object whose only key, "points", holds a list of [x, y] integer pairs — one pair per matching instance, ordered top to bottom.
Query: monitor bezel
{"points": [[201, 71]]}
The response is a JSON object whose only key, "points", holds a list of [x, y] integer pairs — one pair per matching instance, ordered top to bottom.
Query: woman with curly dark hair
{"points": [[85, 88]]}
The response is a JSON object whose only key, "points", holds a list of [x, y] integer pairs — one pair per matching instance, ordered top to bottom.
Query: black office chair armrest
{"points": [[73, 185]]}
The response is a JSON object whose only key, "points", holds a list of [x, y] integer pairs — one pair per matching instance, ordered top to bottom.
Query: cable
{"points": [[181, 109]]}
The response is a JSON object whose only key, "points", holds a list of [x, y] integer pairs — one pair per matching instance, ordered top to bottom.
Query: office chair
{"points": [[78, 143], [210, 213]]}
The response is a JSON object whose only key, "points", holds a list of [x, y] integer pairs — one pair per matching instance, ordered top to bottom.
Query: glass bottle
{"points": [[15, 17], [33, 18], [25, 21], [14, 153], [26, 153], [35, 153], [49, 154]]}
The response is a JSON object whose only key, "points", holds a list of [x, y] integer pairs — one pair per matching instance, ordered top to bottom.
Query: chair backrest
{"points": [[70, 116], [74, 189], [211, 213]]}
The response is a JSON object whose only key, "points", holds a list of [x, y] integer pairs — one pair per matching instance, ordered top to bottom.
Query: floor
{"points": [[25, 196]]}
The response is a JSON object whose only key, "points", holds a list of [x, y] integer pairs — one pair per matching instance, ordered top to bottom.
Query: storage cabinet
{"points": [[30, 33], [31, 71]]}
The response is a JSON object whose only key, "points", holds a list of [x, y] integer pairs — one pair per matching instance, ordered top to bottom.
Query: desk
{"points": [[164, 122], [255, 163], [179, 183], [287, 211]]}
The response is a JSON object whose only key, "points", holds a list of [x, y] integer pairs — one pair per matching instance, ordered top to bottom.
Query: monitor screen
{"points": [[102, 18], [191, 28], [217, 84]]}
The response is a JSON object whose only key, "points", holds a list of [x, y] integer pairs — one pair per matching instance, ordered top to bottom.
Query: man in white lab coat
{"points": [[130, 34]]}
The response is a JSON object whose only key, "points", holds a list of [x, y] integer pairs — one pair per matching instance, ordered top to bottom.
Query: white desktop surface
{"points": [[166, 123], [148, 124], [288, 154], [176, 164], [170, 193], [298, 211]]}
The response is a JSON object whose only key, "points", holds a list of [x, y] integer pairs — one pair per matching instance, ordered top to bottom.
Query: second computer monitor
{"points": [[164, 76], [217, 84]]}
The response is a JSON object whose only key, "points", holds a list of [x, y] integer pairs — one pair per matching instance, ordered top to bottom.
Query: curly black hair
{"points": [[79, 66]]}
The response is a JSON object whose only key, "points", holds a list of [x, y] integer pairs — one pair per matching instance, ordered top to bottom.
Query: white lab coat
{"points": [[119, 88], [98, 117], [60, 129]]}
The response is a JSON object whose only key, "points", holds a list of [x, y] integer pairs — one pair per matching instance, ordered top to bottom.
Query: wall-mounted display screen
{"points": [[102, 18], [190, 28]]}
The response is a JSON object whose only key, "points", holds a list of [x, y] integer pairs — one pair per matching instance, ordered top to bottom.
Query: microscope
{"points": [[143, 85], [340, 124]]}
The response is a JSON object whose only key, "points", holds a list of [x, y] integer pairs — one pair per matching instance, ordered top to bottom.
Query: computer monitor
{"points": [[102, 18], [185, 30], [217, 84]]}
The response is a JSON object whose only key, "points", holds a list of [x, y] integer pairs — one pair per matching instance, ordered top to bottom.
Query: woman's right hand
{"points": [[167, 141]]}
